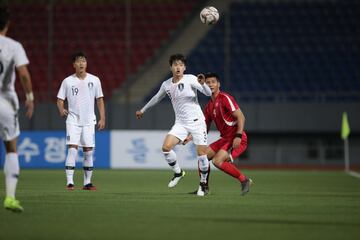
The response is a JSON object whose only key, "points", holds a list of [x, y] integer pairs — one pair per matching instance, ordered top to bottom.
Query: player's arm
{"points": [[25, 80], [201, 86], [153, 101], [60, 102], [101, 107], [62, 111], [240, 118]]}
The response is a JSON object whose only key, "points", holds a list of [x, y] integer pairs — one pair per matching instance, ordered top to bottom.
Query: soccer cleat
{"points": [[176, 179], [245, 186], [70, 187], [89, 187], [206, 188], [203, 189], [12, 204]]}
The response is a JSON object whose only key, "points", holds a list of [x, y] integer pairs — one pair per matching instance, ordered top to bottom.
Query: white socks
{"points": [[171, 160], [70, 165], [88, 166], [203, 167], [11, 170]]}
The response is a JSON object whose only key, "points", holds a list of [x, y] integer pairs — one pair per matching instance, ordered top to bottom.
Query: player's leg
{"points": [[9, 131], [199, 133], [175, 135], [87, 140], [72, 141], [170, 142], [210, 154], [70, 161], [221, 161], [88, 166], [204, 169], [12, 171], [245, 185]]}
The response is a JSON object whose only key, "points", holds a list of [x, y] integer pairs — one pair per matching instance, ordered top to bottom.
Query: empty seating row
{"points": [[52, 33]]}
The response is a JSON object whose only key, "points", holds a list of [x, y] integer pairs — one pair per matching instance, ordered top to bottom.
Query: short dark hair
{"points": [[4, 17], [77, 55], [177, 57], [212, 74]]}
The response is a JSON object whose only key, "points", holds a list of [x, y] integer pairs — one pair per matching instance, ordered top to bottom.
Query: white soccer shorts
{"points": [[9, 122], [197, 129], [83, 136]]}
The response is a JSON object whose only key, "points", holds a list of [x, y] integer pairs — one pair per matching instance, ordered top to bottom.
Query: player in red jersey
{"points": [[229, 120]]}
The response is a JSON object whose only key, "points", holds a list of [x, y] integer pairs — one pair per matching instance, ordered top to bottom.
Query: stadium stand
{"points": [[99, 29], [286, 50]]}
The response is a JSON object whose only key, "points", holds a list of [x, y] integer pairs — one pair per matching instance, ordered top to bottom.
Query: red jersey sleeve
{"points": [[229, 103]]}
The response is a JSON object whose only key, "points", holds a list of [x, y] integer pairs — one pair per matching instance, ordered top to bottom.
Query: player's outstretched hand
{"points": [[201, 78], [29, 108], [139, 114], [101, 124], [187, 139]]}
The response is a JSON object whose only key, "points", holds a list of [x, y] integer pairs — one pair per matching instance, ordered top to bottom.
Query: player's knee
{"points": [[10, 146], [73, 146], [166, 148], [87, 149], [201, 150], [209, 156], [217, 162]]}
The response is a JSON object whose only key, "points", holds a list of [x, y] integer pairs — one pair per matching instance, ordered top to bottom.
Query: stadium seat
{"points": [[99, 29], [291, 48]]}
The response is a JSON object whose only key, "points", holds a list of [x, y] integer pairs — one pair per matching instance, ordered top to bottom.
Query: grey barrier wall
{"points": [[260, 117], [280, 133]]}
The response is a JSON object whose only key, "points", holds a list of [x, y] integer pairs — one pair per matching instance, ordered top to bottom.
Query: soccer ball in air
{"points": [[209, 15]]}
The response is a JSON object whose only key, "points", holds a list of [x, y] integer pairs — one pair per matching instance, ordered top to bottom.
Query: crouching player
{"points": [[229, 120]]}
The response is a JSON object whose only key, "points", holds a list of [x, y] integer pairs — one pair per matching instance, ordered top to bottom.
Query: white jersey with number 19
{"points": [[81, 95]]}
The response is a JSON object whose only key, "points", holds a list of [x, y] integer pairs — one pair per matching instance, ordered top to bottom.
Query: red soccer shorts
{"points": [[226, 143]]}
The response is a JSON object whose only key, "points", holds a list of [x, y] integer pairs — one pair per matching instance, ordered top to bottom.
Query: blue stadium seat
{"points": [[294, 49]]}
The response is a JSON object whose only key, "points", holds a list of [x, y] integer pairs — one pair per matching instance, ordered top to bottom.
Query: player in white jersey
{"points": [[12, 56], [81, 89], [189, 119]]}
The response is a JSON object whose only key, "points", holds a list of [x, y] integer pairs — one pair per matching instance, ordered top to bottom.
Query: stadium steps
{"points": [[143, 84]]}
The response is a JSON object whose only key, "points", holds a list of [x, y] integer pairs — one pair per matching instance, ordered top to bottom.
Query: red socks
{"points": [[231, 169]]}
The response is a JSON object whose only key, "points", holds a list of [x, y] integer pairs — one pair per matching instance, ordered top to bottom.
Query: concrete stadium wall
{"points": [[260, 117], [279, 134]]}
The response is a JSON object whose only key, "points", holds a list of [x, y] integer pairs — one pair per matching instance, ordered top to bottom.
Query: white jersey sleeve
{"points": [[12, 55], [20, 57], [204, 88], [62, 91], [99, 92], [155, 99]]}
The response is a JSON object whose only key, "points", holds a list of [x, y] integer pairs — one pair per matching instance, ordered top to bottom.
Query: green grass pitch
{"points": [[136, 204]]}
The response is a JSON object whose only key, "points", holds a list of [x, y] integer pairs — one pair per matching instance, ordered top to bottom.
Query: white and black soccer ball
{"points": [[209, 15]]}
